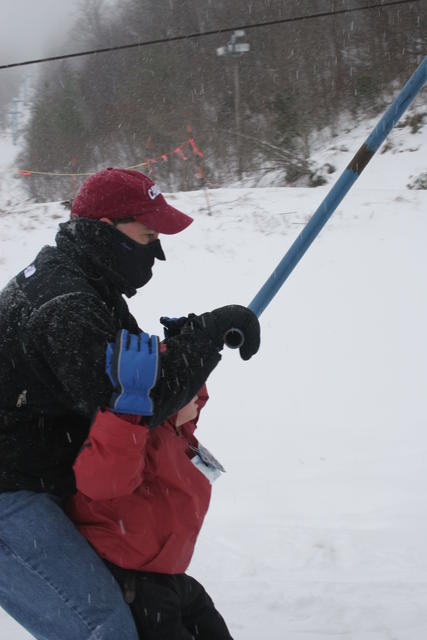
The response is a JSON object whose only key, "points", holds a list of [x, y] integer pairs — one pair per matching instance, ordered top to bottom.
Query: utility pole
{"points": [[235, 50], [14, 115]]}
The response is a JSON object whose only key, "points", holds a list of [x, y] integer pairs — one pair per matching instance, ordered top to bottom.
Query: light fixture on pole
{"points": [[235, 50]]}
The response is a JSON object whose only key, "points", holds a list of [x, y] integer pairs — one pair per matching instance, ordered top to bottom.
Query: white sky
{"points": [[33, 28]]}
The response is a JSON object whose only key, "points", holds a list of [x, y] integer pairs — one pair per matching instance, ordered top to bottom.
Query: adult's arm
{"points": [[71, 336], [66, 345], [186, 363]]}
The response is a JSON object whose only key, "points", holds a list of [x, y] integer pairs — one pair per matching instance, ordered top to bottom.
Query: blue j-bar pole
{"points": [[339, 190]]}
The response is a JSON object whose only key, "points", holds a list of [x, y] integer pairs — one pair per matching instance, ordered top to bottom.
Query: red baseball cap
{"points": [[126, 193]]}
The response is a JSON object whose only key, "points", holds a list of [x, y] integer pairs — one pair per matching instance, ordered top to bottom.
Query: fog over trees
{"points": [[298, 79]]}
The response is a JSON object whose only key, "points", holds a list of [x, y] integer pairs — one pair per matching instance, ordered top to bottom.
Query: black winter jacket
{"points": [[56, 319]]}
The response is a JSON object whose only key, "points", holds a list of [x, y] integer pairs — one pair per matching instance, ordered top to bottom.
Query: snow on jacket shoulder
{"points": [[141, 501]]}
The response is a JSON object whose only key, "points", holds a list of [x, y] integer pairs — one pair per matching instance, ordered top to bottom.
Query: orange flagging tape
{"points": [[179, 151]]}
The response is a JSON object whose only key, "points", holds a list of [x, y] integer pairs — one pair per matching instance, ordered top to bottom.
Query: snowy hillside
{"points": [[318, 528]]}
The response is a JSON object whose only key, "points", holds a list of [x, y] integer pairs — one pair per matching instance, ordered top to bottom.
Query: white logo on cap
{"points": [[154, 191], [29, 271]]}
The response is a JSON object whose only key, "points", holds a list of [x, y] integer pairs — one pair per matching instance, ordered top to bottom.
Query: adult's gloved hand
{"points": [[217, 322], [192, 352]]}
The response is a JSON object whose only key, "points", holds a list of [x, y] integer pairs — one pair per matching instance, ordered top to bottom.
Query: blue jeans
{"points": [[51, 580]]}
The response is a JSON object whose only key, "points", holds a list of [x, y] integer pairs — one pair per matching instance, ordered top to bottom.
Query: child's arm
{"points": [[111, 461]]}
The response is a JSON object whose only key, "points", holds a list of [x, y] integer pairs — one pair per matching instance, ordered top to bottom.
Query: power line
{"points": [[213, 32]]}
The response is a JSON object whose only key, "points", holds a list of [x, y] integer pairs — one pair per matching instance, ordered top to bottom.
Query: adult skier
{"points": [[69, 347]]}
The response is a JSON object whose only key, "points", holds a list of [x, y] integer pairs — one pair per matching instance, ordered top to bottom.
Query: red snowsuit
{"points": [[140, 500]]}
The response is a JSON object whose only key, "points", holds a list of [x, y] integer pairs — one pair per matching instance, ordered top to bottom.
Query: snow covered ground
{"points": [[318, 529]]}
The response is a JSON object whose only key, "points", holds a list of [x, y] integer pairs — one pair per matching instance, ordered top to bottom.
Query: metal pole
{"points": [[235, 49], [237, 113], [339, 190]]}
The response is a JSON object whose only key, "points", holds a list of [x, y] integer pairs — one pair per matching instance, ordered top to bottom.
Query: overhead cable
{"points": [[213, 32]]}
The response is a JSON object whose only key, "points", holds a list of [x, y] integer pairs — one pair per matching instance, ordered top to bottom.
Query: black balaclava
{"points": [[134, 261]]}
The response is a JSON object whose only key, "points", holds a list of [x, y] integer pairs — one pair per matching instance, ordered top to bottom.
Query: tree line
{"points": [[124, 107]]}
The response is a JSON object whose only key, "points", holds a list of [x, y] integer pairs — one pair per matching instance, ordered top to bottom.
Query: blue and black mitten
{"points": [[132, 365]]}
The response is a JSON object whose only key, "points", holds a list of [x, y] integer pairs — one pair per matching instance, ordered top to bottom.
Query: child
{"points": [[141, 500]]}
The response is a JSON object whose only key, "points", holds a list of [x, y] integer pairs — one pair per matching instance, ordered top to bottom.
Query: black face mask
{"points": [[134, 260]]}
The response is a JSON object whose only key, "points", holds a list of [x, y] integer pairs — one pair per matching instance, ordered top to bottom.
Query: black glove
{"points": [[217, 322], [172, 326], [191, 354]]}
